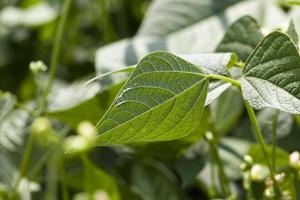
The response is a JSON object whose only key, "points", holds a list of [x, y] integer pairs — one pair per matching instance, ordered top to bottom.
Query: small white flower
{"points": [[295, 160], [258, 173], [280, 177]]}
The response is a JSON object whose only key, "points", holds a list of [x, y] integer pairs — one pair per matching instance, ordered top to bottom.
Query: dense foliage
{"points": [[152, 100]]}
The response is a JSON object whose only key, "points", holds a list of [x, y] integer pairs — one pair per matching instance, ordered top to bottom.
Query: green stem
{"points": [[109, 33], [55, 53], [225, 79], [260, 139], [274, 139], [216, 158], [86, 163], [24, 165], [52, 177], [213, 177], [296, 183], [65, 195]]}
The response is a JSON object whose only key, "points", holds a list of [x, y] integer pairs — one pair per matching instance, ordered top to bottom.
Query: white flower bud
{"points": [[37, 67], [41, 125], [86, 129], [209, 136], [75, 144], [248, 159], [295, 160], [258, 173], [280, 177], [269, 192], [101, 195]]}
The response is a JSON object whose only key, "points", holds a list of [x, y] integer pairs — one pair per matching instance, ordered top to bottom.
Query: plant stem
{"points": [[55, 53], [225, 79], [260, 139], [274, 139], [216, 158], [86, 163], [24, 165], [52, 177], [296, 183], [64, 190]]}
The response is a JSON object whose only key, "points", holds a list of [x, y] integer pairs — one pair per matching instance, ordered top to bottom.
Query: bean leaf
{"points": [[241, 37], [271, 77], [162, 100]]}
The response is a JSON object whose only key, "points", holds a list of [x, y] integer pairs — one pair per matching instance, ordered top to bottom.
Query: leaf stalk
{"points": [[225, 79]]}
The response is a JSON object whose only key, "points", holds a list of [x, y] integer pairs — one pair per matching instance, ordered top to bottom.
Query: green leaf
{"points": [[166, 16], [291, 31], [202, 36], [241, 37], [271, 77], [162, 100], [69, 102], [227, 110], [283, 121], [12, 123], [13, 132], [282, 157], [188, 168], [104, 181], [153, 181]]}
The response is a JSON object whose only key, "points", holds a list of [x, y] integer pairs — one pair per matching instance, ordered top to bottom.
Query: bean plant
{"points": [[164, 118]]}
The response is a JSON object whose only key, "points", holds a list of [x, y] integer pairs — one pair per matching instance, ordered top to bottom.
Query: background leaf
{"points": [[166, 16], [203, 36], [241, 37]]}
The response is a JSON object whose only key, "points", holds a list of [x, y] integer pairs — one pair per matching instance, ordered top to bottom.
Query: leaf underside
{"points": [[272, 75], [162, 100]]}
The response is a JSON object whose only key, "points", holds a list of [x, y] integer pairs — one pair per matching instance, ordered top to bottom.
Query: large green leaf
{"points": [[166, 16], [241, 37], [272, 75], [162, 100]]}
